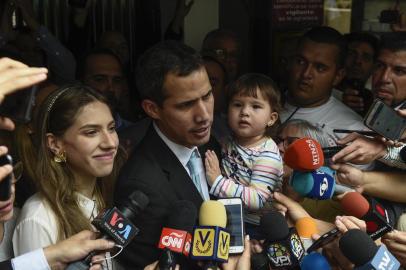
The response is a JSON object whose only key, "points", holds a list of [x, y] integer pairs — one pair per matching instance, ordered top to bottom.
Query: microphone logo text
{"points": [[116, 221]]}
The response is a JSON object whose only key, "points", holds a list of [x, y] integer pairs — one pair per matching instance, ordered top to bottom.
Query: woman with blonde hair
{"points": [[78, 156]]}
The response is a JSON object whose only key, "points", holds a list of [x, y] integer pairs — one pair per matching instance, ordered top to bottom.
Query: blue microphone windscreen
{"points": [[302, 182], [314, 261]]}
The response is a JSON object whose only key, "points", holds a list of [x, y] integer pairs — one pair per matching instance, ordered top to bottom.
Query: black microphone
{"points": [[402, 154], [115, 224], [176, 237], [283, 245], [362, 251], [259, 261]]}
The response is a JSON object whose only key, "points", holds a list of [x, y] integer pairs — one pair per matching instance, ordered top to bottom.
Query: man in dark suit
{"points": [[176, 93]]}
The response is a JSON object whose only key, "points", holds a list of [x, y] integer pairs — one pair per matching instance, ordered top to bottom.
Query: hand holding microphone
{"points": [[310, 178], [369, 210], [115, 224], [362, 251]]}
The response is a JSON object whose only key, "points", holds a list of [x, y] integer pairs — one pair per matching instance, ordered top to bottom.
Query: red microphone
{"points": [[304, 155], [369, 210], [176, 237], [175, 240]]}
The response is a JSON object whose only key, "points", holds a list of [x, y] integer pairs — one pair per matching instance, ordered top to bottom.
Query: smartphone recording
{"points": [[385, 121]]}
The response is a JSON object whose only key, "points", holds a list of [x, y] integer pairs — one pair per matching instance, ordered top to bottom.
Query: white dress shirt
{"points": [[183, 154], [37, 225], [34, 260]]}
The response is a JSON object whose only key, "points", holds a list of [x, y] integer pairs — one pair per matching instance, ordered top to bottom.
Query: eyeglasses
{"points": [[222, 54], [285, 141]]}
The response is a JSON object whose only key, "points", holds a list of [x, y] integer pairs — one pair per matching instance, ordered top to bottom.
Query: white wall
{"points": [[202, 18]]}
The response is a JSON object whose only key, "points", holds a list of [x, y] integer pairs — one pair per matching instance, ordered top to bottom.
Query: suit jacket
{"points": [[155, 170], [6, 265]]}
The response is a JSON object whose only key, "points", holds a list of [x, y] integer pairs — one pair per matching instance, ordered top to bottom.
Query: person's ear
{"points": [[339, 77], [151, 108], [272, 119], [54, 144]]}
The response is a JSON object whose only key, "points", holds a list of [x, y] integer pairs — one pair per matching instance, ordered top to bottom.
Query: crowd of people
{"points": [[208, 132]]}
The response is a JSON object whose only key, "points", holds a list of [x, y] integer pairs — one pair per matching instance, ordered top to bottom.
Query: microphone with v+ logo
{"points": [[211, 242]]}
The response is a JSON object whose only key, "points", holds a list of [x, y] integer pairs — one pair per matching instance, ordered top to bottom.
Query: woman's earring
{"points": [[60, 157]]}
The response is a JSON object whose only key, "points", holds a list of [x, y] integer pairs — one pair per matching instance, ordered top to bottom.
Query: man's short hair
{"points": [[219, 34], [328, 35], [364, 37], [394, 41], [160, 60], [81, 68]]}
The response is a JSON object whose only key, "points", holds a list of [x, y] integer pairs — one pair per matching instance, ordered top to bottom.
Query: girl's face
{"points": [[248, 117], [91, 142]]}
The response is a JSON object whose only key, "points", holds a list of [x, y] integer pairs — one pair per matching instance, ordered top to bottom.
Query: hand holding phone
{"points": [[385, 121], [5, 184], [324, 240]]}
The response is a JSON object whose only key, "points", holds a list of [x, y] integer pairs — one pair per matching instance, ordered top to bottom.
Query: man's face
{"points": [[227, 51], [360, 61], [104, 73], [313, 74], [389, 77], [186, 114]]}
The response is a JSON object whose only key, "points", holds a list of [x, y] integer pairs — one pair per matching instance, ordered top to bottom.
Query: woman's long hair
{"points": [[55, 181]]}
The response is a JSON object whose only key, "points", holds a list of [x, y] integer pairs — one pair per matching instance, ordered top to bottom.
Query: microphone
{"points": [[402, 154], [304, 155], [319, 184], [371, 211], [115, 224], [306, 227], [176, 236], [211, 242], [283, 245], [362, 251], [314, 261]]}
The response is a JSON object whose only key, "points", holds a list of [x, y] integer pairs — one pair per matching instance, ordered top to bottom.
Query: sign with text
{"points": [[297, 13]]}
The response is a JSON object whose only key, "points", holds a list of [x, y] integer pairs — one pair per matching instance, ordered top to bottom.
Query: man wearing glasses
{"points": [[225, 47]]}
